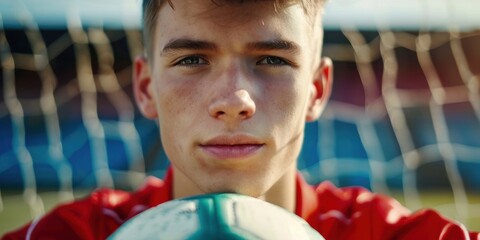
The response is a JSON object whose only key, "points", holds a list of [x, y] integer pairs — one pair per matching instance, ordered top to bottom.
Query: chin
{"points": [[250, 182]]}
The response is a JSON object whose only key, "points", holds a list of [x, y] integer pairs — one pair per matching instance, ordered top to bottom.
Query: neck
{"points": [[282, 193]]}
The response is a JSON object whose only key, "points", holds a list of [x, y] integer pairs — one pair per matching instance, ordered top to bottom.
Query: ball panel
{"points": [[216, 216], [177, 218], [265, 220]]}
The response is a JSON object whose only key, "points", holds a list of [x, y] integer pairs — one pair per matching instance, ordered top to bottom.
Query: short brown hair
{"points": [[150, 9]]}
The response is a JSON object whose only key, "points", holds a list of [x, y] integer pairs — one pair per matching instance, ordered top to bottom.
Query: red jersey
{"points": [[336, 213]]}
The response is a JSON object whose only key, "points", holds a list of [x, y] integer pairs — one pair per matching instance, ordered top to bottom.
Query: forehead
{"points": [[194, 17]]}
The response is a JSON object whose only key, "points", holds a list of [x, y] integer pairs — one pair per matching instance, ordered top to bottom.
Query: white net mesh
{"points": [[432, 113], [404, 118]]}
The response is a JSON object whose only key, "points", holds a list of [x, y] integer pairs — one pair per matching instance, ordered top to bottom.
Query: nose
{"points": [[233, 107]]}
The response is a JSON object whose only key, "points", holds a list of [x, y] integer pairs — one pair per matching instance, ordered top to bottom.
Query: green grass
{"points": [[16, 212]]}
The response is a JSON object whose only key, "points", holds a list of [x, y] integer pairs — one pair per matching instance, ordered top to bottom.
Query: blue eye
{"points": [[192, 60], [270, 60]]}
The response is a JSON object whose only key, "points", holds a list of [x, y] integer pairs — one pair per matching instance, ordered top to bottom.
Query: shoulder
{"points": [[354, 199], [344, 213], [95, 216]]}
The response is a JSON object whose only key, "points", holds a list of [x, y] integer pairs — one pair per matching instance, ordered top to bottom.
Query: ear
{"points": [[142, 87], [320, 89]]}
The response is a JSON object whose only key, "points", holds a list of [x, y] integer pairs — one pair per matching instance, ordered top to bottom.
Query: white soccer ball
{"points": [[216, 216]]}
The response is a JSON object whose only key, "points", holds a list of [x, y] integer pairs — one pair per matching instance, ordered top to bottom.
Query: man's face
{"points": [[231, 87]]}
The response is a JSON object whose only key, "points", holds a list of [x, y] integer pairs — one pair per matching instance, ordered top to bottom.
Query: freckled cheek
{"points": [[177, 96], [284, 99], [178, 103], [183, 103]]}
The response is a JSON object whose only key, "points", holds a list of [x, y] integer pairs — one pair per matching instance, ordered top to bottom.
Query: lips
{"points": [[232, 147]]}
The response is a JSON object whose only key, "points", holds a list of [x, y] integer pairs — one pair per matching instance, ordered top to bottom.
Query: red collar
{"points": [[306, 200]]}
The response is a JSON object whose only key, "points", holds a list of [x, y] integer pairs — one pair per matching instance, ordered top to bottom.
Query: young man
{"points": [[232, 84]]}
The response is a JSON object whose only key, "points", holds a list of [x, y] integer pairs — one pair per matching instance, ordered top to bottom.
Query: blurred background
{"points": [[404, 118]]}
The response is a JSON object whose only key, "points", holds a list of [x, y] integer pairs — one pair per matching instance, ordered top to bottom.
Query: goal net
{"points": [[403, 120]]}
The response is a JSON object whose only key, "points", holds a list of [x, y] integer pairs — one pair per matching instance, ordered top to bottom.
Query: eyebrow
{"points": [[187, 44], [190, 44], [276, 44]]}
